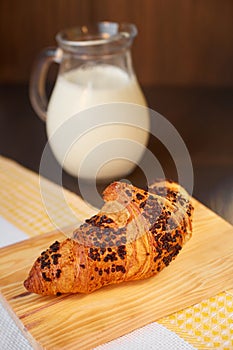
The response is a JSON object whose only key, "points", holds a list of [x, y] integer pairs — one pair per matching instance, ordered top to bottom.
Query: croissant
{"points": [[134, 236]]}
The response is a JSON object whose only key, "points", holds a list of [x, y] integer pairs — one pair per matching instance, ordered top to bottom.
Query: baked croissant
{"points": [[134, 236]]}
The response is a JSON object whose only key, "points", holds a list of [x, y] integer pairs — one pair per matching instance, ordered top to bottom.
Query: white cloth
{"points": [[10, 234], [153, 336], [11, 338]]}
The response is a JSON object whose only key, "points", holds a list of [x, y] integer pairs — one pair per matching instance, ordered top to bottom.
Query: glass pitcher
{"points": [[95, 69]]}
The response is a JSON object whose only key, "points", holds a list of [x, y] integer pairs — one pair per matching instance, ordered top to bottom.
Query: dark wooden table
{"points": [[202, 116]]}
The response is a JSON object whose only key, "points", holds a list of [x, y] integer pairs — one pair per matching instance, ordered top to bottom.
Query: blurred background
{"points": [[180, 42], [183, 58]]}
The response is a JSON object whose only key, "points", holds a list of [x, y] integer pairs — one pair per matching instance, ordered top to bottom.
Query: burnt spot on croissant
{"points": [[129, 194], [139, 196], [142, 205], [189, 210], [91, 220], [97, 220], [109, 221], [155, 226], [168, 238], [123, 240], [166, 246], [55, 247], [102, 250], [121, 251], [94, 254], [43, 257], [55, 258], [44, 260], [167, 260], [45, 263], [82, 266], [120, 268], [107, 270], [58, 273], [47, 279]]}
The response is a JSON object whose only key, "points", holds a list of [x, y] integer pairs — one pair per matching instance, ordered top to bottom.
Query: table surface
{"points": [[202, 116]]}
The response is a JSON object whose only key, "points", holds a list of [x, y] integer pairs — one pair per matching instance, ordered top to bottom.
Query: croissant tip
{"points": [[26, 284]]}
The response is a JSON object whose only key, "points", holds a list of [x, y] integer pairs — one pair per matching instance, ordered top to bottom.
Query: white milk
{"points": [[82, 144]]}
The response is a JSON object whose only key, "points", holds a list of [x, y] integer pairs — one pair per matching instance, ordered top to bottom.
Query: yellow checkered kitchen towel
{"points": [[35, 204], [207, 325]]}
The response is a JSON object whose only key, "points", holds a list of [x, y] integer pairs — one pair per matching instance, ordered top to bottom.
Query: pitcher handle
{"points": [[37, 82]]}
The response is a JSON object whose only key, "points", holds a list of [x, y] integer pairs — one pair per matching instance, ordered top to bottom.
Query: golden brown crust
{"points": [[134, 236]]}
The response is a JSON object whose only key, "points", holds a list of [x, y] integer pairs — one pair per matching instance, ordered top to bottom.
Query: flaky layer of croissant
{"points": [[134, 236]]}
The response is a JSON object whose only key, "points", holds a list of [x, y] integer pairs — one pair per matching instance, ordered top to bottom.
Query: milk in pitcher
{"points": [[79, 91]]}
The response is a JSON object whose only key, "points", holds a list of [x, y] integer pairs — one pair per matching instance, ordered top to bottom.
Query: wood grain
{"points": [[182, 42], [203, 268]]}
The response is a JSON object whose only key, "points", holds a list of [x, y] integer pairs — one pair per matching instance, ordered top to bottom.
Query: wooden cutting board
{"points": [[203, 268]]}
